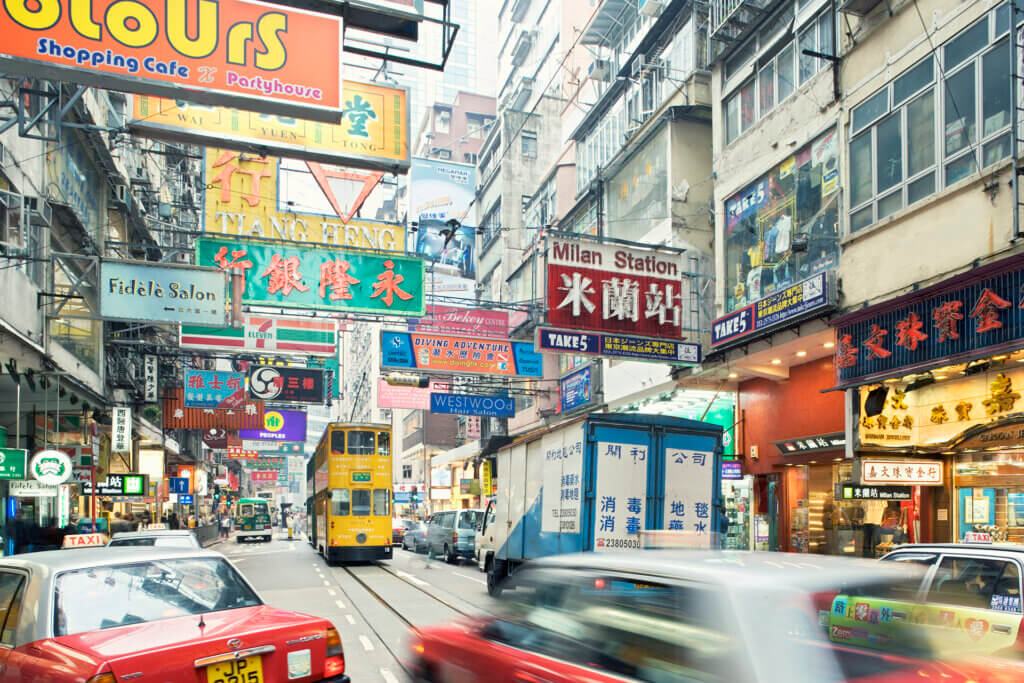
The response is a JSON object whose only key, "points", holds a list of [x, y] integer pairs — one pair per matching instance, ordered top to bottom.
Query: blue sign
{"points": [[159, 292], [787, 304], [959, 319], [618, 346], [214, 389], [575, 390], [465, 404], [732, 469], [177, 485], [186, 498], [403, 498]]}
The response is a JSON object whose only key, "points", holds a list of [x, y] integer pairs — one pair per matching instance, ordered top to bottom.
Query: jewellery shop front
{"points": [[938, 380]]}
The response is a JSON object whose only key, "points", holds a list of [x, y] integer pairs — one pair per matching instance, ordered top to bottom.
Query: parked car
{"points": [[398, 529], [452, 534], [415, 537], [180, 538], [114, 614], [666, 616]]}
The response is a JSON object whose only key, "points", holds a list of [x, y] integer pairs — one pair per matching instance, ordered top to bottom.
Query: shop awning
{"points": [[466, 450]]}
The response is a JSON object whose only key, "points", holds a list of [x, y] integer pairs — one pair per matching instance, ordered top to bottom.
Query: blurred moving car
{"points": [[398, 529], [452, 534], [415, 537], [160, 538], [105, 615], [666, 616]]}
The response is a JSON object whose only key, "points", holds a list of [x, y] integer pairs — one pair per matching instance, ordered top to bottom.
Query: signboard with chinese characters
{"points": [[264, 57], [373, 132], [298, 276], [608, 287], [159, 292], [804, 298], [963, 318], [473, 322], [267, 334], [621, 346], [459, 355], [150, 369], [286, 384], [214, 389], [575, 390], [465, 404], [177, 416], [278, 425], [120, 429], [812, 444], [241, 452], [12, 463], [732, 470], [890, 472], [263, 476], [562, 480], [119, 485], [689, 486], [851, 491], [620, 496]]}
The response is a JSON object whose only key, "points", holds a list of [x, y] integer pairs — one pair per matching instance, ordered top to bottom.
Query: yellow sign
{"points": [[373, 133], [245, 194], [485, 478]]}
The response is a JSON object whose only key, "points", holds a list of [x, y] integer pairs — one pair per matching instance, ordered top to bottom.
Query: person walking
{"points": [[173, 521], [225, 526]]}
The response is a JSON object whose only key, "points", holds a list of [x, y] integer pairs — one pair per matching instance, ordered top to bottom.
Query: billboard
{"points": [[239, 53], [373, 133], [440, 191], [269, 198], [450, 248], [299, 276], [611, 287], [158, 292], [474, 322], [267, 334], [621, 346], [459, 355], [286, 384], [214, 389], [575, 390], [409, 398], [465, 404], [177, 416], [278, 425]]}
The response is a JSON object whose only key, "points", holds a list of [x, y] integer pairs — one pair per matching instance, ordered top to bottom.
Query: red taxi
{"points": [[111, 614]]}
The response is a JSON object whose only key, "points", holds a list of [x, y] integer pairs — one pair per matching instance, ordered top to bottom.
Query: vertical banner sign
{"points": [[264, 57], [150, 379], [121, 430], [485, 478], [689, 479], [562, 480], [620, 497]]}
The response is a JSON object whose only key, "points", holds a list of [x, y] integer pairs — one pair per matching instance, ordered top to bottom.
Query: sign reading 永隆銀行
{"points": [[137, 290]]}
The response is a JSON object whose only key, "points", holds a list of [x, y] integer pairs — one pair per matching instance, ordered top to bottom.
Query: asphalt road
{"points": [[376, 607]]}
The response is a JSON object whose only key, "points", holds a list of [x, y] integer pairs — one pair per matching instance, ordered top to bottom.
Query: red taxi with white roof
{"points": [[103, 615]]}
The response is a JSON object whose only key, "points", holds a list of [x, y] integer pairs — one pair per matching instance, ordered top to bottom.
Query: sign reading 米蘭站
{"points": [[264, 57]]}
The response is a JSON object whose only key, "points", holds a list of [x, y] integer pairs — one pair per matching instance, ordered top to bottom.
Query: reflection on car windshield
{"points": [[159, 542], [104, 597]]}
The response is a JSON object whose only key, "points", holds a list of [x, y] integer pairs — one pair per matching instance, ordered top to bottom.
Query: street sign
{"points": [[12, 463], [130, 484], [177, 485]]}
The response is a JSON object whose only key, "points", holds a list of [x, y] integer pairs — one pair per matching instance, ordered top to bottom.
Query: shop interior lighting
{"points": [[829, 345], [801, 354], [1001, 357], [776, 361], [733, 375], [940, 377]]}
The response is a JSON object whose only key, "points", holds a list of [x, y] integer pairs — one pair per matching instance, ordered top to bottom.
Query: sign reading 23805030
{"points": [[240, 53]]}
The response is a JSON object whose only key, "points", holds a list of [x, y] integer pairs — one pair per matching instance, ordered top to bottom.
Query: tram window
{"points": [[338, 442], [360, 443], [383, 443], [381, 501], [339, 502], [361, 502]]}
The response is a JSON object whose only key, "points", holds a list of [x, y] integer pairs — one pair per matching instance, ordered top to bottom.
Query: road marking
{"points": [[470, 578], [414, 579], [327, 583], [330, 591], [340, 604], [350, 619], [367, 645], [388, 676]]}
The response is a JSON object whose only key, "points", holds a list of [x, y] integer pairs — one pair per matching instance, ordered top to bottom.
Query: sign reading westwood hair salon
{"points": [[265, 57], [373, 133], [299, 276], [158, 292], [963, 318]]}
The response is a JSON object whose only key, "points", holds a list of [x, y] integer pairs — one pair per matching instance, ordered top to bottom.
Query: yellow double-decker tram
{"points": [[351, 494]]}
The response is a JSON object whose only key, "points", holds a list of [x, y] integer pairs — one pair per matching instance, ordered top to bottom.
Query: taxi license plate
{"points": [[247, 670]]}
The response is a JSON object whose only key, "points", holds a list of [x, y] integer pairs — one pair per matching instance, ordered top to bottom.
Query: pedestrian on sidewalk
{"points": [[225, 526]]}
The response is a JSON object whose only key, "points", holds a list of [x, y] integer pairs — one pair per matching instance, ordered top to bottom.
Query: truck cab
{"points": [[485, 535]]}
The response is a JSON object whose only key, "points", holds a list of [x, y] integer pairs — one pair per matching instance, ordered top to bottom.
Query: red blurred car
{"points": [[398, 529], [113, 614], [666, 616]]}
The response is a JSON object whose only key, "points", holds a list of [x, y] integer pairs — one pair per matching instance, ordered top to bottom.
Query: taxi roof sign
{"points": [[158, 526], [84, 540]]}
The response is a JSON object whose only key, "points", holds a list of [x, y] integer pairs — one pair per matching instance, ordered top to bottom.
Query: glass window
{"points": [[1002, 19], [826, 34], [965, 44], [808, 64], [784, 66], [912, 81], [766, 87], [995, 88], [870, 110], [748, 112], [732, 118], [960, 123], [921, 134], [529, 143], [996, 150], [890, 153], [961, 168], [860, 169], [919, 189], [890, 204], [338, 442], [360, 443], [383, 443], [340, 500], [361, 502], [382, 502], [245, 510], [468, 519], [975, 583], [99, 598], [10, 601]]}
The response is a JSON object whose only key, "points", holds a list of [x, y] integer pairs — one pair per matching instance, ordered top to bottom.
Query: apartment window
{"points": [[921, 132], [529, 145], [469, 158], [406, 471]]}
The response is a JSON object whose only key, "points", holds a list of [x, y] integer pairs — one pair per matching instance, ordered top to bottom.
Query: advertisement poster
{"points": [[440, 190], [450, 248], [136, 290], [798, 300], [471, 322], [267, 334], [618, 346], [459, 355], [286, 384], [214, 389], [575, 390], [410, 398], [177, 416], [278, 425], [689, 479], [562, 492], [620, 498]]}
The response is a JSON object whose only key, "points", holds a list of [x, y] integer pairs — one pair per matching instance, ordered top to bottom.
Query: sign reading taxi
{"points": [[84, 540]]}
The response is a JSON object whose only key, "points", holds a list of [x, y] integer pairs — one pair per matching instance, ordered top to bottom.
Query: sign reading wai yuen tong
{"points": [[265, 57], [158, 292]]}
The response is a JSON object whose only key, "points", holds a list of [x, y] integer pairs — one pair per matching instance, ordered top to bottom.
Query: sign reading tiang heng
{"points": [[158, 292], [462, 404]]}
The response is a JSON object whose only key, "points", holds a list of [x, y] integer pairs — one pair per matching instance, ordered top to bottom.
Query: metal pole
{"points": [[1014, 123], [17, 417]]}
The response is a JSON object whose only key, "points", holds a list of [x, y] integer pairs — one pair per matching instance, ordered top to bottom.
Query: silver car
{"points": [[452, 534], [162, 538], [415, 538]]}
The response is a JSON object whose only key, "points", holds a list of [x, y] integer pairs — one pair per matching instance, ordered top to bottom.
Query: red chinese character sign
{"points": [[301, 276], [607, 287], [964, 318], [901, 472]]}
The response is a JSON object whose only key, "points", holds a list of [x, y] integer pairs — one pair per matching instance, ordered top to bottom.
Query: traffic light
{"points": [[414, 496]]}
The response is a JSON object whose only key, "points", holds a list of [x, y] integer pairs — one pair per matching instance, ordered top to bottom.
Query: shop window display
{"points": [[784, 227], [990, 496]]}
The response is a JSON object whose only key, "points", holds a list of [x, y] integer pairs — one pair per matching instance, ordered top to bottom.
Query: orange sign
{"points": [[239, 53]]}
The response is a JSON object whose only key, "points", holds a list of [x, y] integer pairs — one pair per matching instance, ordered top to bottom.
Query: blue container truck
{"points": [[601, 483]]}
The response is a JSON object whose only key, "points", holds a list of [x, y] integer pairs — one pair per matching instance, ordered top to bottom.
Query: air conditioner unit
{"points": [[650, 8], [523, 46], [642, 65], [600, 70], [119, 194], [39, 212]]}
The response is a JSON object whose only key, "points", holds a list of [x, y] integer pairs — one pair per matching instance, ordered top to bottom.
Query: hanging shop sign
{"points": [[405, 9], [263, 57], [373, 133], [297, 276], [610, 287], [135, 290], [803, 299], [963, 318], [472, 322], [267, 334], [618, 346], [459, 355], [150, 378], [286, 384], [214, 389], [575, 390], [409, 398], [464, 404], [177, 416], [278, 425], [120, 429], [216, 439], [812, 444], [271, 448], [241, 452], [12, 463], [50, 467], [732, 470], [897, 472], [263, 476], [130, 484], [30, 488], [851, 491]]}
